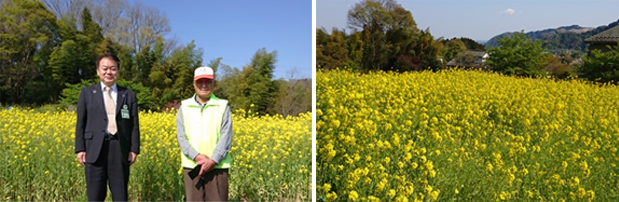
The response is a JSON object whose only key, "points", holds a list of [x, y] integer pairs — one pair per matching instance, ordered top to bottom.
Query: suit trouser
{"points": [[109, 166], [213, 186]]}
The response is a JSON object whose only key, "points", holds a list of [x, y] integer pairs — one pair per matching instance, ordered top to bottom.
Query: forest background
{"points": [[48, 50]]}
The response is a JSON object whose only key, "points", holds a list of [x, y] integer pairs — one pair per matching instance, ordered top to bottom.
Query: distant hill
{"points": [[561, 38]]}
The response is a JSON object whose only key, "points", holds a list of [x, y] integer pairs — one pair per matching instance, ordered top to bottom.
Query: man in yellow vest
{"points": [[204, 133]]}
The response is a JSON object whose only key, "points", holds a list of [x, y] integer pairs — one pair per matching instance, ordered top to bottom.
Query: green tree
{"points": [[380, 15], [375, 19], [91, 29], [28, 34], [322, 38], [390, 38], [88, 39], [452, 48], [333, 50], [355, 51], [375, 51], [427, 51], [401, 55], [518, 55], [74, 59], [144, 61], [185, 61], [214, 64], [65, 65], [602, 66], [161, 77], [172, 80], [229, 82], [235, 87], [251, 88], [262, 88], [142, 93], [70, 95]]}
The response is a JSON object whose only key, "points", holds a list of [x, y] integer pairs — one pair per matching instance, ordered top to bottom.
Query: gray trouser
{"points": [[213, 186]]}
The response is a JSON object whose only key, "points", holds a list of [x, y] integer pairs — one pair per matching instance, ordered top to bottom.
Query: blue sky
{"points": [[483, 19], [235, 30]]}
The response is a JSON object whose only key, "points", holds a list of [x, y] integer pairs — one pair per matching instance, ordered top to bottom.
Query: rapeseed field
{"points": [[464, 136], [271, 158]]}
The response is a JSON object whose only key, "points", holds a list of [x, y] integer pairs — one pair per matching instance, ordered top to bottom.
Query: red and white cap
{"points": [[203, 72]]}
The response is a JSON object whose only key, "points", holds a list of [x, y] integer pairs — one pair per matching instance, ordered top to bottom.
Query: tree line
{"points": [[385, 37], [48, 50]]}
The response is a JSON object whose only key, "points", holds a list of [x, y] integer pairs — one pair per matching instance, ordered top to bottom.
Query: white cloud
{"points": [[508, 11]]}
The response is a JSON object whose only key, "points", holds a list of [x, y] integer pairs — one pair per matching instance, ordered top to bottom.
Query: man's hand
{"points": [[132, 156], [81, 157], [207, 163]]}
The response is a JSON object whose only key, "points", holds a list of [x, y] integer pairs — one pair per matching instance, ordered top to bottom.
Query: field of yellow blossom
{"points": [[464, 136], [271, 158]]}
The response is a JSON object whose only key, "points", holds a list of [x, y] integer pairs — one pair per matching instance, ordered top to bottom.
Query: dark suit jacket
{"points": [[92, 122]]}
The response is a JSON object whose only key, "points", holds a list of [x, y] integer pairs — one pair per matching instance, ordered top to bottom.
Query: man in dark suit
{"points": [[107, 134]]}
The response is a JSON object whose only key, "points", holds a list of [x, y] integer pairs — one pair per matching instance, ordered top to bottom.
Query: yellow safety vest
{"points": [[203, 128]]}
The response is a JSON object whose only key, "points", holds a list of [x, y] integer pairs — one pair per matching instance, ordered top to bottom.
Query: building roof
{"points": [[610, 35], [476, 53], [451, 63]]}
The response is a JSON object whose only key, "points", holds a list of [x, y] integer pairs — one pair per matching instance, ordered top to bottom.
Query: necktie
{"points": [[111, 111]]}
